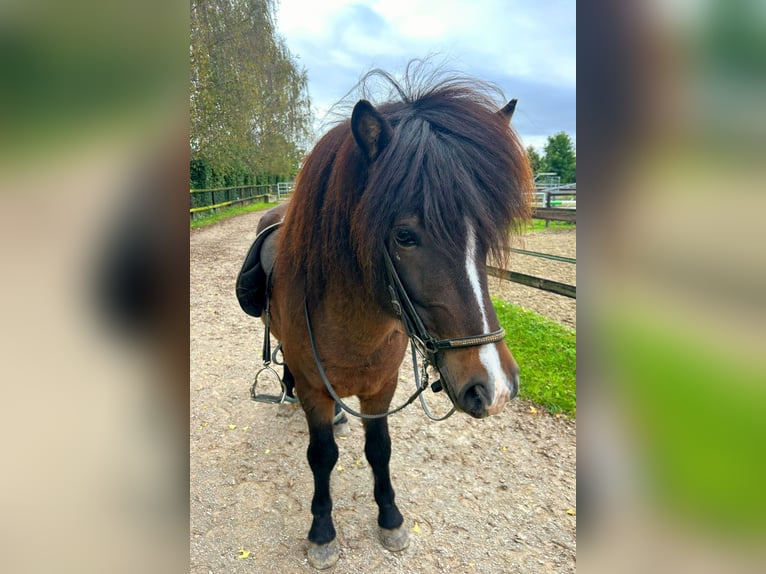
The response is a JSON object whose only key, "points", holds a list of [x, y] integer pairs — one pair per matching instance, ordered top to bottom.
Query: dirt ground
{"points": [[491, 496]]}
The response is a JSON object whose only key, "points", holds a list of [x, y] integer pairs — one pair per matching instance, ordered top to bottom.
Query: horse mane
{"points": [[451, 159]]}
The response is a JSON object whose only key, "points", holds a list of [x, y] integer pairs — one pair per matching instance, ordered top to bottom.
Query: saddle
{"points": [[254, 279]]}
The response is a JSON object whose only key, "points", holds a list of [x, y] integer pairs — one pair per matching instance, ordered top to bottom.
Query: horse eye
{"points": [[405, 237]]}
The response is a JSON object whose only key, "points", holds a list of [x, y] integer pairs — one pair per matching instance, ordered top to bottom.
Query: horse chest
{"points": [[353, 351]]}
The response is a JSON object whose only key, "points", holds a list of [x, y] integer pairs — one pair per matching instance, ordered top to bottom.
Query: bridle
{"points": [[421, 342], [427, 344]]}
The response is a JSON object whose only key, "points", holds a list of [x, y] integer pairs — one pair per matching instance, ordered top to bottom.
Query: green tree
{"points": [[249, 104], [560, 157], [535, 161]]}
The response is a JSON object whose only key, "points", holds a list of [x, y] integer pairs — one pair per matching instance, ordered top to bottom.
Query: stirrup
{"points": [[266, 398]]}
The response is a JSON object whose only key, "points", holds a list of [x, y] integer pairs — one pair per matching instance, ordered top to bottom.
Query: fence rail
{"points": [[280, 191], [264, 198], [210, 199], [548, 214], [555, 214], [544, 255], [536, 282]]}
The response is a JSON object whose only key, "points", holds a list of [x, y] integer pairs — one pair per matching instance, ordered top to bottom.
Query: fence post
{"points": [[547, 204]]}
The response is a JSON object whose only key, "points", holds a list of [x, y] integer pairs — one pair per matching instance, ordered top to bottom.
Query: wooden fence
{"points": [[227, 196], [201, 200], [547, 202], [555, 214], [536, 282]]}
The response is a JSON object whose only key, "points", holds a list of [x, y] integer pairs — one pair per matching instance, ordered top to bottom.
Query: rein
{"points": [[421, 342], [420, 386]]}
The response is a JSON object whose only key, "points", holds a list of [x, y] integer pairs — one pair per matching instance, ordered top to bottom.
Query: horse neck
{"points": [[346, 291], [357, 322]]}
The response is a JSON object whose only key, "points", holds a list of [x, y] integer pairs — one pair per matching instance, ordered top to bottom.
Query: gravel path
{"points": [[490, 496]]}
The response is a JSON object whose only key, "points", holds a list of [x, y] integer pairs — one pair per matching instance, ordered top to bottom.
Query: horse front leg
{"points": [[377, 448], [322, 455]]}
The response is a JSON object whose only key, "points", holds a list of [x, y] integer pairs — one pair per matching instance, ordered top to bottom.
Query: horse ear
{"points": [[507, 111], [372, 131]]}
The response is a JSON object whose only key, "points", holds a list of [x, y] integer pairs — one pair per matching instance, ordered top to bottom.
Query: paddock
{"points": [[494, 496]]}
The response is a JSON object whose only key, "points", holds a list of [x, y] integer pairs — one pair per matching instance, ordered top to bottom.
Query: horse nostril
{"points": [[474, 399]]}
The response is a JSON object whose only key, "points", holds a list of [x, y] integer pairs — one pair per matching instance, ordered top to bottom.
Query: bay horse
{"points": [[386, 237]]}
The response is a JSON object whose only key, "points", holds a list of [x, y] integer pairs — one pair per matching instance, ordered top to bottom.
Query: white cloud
{"points": [[525, 46]]}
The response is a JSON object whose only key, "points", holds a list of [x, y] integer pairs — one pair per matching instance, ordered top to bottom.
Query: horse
{"points": [[385, 242]]}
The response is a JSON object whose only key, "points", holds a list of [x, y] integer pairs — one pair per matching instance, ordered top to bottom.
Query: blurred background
{"points": [[94, 163], [93, 251], [671, 386]]}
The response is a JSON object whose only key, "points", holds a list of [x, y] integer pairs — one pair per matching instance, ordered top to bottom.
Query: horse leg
{"points": [[289, 381], [340, 422], [377, 448], [322, 455]]}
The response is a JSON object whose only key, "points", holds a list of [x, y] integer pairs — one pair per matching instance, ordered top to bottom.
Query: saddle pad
{"points": [[255, 275]]}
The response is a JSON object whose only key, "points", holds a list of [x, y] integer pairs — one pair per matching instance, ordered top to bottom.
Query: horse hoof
{"points": [[341, 429], [395, 539], [323, 556]]}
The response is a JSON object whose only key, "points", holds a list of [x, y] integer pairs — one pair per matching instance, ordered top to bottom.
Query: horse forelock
{"points": [[451, 159]]}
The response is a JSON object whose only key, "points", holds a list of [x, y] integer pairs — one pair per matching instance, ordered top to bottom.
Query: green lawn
{"points": [[225, 213], [538, 224], [547, 356], [697, 412]]}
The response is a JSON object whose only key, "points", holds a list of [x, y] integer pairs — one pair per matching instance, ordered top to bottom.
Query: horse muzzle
{"points": [[484, 394], [481, 399]]}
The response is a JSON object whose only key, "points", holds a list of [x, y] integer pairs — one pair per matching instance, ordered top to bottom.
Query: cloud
{"points": [[528, 49]]}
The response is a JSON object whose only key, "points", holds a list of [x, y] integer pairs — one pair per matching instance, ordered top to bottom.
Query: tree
{"points": [[249, 104], [560, 157], [535, 161]]}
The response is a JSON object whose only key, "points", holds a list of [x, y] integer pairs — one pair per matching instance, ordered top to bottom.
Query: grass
{"points": [[225, 213], [538, 224], [547, 356], [698, 411]]}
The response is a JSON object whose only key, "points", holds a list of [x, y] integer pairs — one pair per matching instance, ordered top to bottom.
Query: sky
{"points": [[525, 47]]}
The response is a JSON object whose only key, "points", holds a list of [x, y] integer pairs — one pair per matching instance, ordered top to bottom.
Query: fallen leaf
{"points": [[533, 410], [232, 427], [245, 428], [343, 437], [505, 448], [267, 451], [358, 463], [340, 468], [571, 511], [416, 528], [243, 553]]}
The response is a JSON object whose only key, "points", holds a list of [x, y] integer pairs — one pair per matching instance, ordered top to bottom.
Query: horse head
{"points": [[440, 222]]}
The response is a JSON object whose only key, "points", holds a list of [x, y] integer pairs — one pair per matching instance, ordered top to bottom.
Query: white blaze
{"points": [[488, 354]]}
